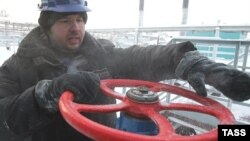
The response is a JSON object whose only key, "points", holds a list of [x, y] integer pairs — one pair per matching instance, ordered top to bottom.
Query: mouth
{"points": [[74, 40]]}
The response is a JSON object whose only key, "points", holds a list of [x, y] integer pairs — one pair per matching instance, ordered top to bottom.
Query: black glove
{"points": [[199, 70], [85, 86]]}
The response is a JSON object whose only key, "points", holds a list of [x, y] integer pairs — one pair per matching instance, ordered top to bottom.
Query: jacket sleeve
{"points": [[152, 63], [19, 114]]}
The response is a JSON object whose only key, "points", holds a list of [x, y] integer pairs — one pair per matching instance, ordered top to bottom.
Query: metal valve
{"points": [[142, 94]]}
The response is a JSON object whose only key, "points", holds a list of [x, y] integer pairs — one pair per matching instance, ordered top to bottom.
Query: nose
{"points": [[75, 25]]}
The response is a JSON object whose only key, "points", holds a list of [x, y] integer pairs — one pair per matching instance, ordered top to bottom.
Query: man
{"points": [[60, 55]]}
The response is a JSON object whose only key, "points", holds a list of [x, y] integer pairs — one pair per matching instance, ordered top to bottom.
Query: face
{"points": [[68, 32]]}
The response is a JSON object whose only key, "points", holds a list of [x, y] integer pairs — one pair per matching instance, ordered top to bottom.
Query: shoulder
{"points": [[106, 44], [16, 63], [10, 67]]}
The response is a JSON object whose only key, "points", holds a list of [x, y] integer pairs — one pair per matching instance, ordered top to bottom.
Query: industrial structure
{"points": [[11, 33]]}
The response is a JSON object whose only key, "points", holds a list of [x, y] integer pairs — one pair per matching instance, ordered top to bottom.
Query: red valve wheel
{"points": [[71, 112]]}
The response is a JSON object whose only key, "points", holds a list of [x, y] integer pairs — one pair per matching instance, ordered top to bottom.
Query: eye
{"points": [[79, 20], [63, 21]]}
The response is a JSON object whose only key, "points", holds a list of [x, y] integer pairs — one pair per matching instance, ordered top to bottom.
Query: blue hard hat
{"points": [[64, 5]]}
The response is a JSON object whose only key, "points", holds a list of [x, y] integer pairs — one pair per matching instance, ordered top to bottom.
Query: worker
{"points": [[61, 55]]}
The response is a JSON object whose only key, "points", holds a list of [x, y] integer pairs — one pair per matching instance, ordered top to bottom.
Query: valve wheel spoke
{"points": [[93, 108]]}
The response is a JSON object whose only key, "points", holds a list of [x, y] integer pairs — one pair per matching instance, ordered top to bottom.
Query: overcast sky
{"points": [[124, 13]]}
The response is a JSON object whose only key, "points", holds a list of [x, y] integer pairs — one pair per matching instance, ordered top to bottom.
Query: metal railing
{"points": [[239, 56]]}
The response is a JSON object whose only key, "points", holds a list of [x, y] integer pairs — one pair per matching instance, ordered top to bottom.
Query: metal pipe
{"points": [[185, 11]]}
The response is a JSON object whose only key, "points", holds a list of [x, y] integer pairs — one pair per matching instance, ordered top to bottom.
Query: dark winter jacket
{"points": [[22, 119]]}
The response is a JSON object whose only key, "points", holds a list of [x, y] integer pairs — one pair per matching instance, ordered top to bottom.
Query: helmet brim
{"points": [[68, 8]]}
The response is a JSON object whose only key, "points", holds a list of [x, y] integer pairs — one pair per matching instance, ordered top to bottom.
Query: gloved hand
{"points": [[199, 70], [85, 86]]}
